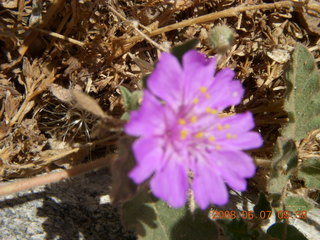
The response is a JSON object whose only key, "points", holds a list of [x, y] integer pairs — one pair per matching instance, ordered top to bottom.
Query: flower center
{"points": [[204, 130]]}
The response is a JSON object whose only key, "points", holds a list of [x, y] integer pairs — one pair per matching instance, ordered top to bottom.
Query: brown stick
{"points": [[230, 12], [22, 185]]}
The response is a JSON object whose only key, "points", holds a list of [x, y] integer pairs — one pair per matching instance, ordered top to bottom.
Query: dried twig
{"points": [[230, 12], [137, 30], [57, 35], [10, 188]]}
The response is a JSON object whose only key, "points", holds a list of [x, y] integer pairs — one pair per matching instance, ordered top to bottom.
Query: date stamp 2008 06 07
{"points": [[249, 215]]}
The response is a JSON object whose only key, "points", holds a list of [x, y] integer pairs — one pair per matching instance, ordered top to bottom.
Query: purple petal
{"points": [[198, 72], [223, 76], [166, 79], [225, 91], [225, 96], [148, 120], [239, 123], [245, 141], [144, 146], [148, 153], [235, 161], [231, 175], [234, 181], [171, 184], [208, 186]]}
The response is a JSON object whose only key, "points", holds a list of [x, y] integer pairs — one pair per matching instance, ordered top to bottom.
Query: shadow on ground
{"points": [[71, 210]]}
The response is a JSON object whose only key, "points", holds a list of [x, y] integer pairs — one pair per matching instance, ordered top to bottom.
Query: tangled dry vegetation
{"points": [[49, 49]]}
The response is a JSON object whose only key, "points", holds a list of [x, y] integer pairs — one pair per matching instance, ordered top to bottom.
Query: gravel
{"points": [[75, 209]]}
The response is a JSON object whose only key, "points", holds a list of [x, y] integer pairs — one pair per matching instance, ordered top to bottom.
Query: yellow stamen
{"points": [[203, 89], [207, 96], [195, 100], [211, 110], [193, 119], [182, 121], [227, 126], [219, 127], [183, 134], [199, 135], [231, 136], [212, 138], [218, 147]]}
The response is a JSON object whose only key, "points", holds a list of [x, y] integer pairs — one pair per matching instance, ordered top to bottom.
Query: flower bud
{"points": [[221, 38]]}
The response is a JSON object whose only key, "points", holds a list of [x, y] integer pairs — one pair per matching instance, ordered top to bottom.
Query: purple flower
{"points": [[185, 139]]}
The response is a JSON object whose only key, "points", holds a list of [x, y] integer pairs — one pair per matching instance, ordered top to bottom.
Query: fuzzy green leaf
{"points": [[303, 94], [126, 96], [130, 99], [125, 116], [284, 162], [310, 172], [297, 203], [153, 219], [277, 231]]}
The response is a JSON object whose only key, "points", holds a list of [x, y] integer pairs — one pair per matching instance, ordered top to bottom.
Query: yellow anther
{"points": [[203, 89], [207, 96], [195, 100], [211, 110], [222, 115], [193, 119], [182, 121], [227, 126], [219, 127], [183, 134], [199, 135], [231, 136], [212, 138], [218, 147]]}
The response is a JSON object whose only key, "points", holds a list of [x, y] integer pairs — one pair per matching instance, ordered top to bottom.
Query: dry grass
{"points": [[48, 51]]}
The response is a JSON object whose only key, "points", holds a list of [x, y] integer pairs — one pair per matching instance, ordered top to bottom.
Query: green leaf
{"points": [[180, 50], [303, 94], [126, 96], [130, 99], [125, 116], [284, 162], [310, 172], [297, 203], [262, 205], [153, 219], [238, 229], [277, 230]]}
